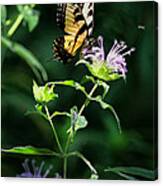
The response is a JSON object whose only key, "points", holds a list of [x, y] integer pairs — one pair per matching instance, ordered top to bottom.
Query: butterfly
{"points": [[76, 20]]}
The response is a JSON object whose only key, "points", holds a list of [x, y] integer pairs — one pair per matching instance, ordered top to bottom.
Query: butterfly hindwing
{"points": [[59, 52]]}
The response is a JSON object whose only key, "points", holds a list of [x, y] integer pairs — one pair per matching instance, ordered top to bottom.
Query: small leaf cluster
{"points": [[30, 15], [43, 94]]}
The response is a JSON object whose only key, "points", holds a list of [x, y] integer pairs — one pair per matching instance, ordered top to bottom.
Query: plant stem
{"points": [[15, 25], [87, 99], [86, 102], [54, 131], [65, 157], [65, 167]]}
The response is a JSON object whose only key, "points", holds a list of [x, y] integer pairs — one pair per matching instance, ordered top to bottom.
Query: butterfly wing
{"points": [[88, 14], [71, 18]]}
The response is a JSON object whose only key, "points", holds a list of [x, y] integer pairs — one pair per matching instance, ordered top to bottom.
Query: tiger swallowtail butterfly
{"points": [[76, 20]]}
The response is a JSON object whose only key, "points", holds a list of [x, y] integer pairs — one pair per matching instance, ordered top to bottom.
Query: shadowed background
{"points": [[134, 101]]}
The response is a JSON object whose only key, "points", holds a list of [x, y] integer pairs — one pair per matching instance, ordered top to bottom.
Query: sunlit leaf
{"points": [[43, 94], [29, 150]]}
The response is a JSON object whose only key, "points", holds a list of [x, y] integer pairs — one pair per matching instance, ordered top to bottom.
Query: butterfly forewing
{"points": [[88, 13]]}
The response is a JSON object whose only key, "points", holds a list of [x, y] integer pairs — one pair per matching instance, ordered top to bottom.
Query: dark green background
{"points": [[135, 101]]}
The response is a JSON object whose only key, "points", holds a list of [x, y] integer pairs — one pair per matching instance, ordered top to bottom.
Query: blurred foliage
{"points": [[135, 101]]}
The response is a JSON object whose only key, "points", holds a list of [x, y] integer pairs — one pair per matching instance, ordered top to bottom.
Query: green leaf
{"points": [[20, 8], [3, 14], [31, 16], [32, 20], [28, 57], [43, 94], [105, 105], [77, 122], [80, 123], [29, 150], [134, 171], [126, 176]]}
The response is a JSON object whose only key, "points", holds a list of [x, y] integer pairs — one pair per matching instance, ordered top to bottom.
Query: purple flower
{"points": [[94, 53], [115, 59], [34, 171]]}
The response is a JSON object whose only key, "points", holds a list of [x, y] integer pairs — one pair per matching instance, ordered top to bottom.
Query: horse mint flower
{"points": [[110, 67], [34, 171]]}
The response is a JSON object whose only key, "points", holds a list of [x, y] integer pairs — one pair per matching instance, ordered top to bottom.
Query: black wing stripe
{"points": [[88, 12]]}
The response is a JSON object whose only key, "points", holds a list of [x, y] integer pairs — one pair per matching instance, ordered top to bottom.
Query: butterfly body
{"points": [[76, 20]]}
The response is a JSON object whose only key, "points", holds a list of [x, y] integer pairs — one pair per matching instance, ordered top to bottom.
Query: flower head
{"points": [[116, 57], [110, 67], [34, 171]]}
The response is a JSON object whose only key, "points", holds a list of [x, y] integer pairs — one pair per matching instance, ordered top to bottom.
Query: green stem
{"points": [[15, 25], [87, 99], [53, 129], [69, 137], [65, 157], [65, 167]]}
